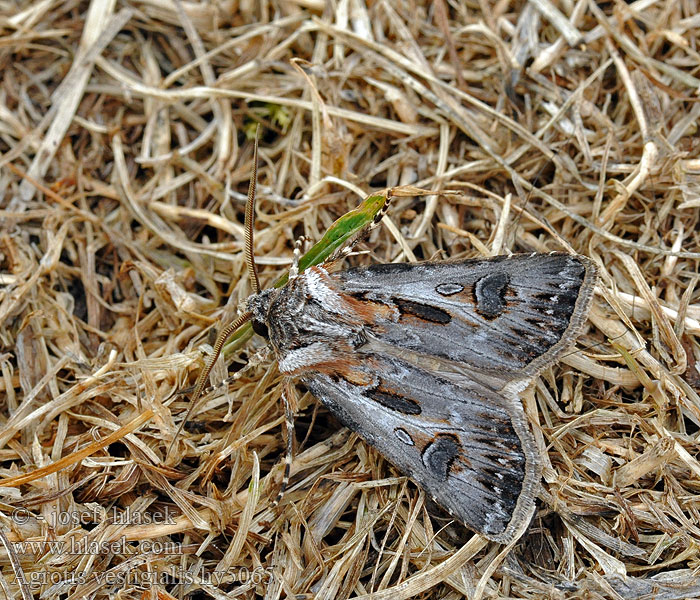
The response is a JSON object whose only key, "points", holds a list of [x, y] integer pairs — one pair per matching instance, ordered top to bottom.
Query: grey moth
{"points": [[426, 362]]}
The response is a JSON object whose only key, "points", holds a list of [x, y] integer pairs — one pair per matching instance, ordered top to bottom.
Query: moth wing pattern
{"points": [[504, 318], [425, 361], [468, 447]]}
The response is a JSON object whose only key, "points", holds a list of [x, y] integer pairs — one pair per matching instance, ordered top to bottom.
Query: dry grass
{"points": [[124, 169]]}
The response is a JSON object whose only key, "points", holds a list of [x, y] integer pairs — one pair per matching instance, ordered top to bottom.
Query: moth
{"points": [[426, 361]]}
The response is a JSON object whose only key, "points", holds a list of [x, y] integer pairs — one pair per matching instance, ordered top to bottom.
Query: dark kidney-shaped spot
{"points": [[490, 295], [394, 401], [439, 454]]}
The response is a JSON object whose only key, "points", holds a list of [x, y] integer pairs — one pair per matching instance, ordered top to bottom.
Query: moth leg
{"points": [[294, 270], [256, 359], [287, 392]]}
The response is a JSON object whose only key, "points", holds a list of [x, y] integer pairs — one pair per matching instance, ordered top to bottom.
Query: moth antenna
{"points": [[250, 221], [224, 334], [253, 361], [289, 422]]}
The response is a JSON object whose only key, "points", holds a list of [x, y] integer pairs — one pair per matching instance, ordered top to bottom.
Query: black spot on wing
{"points": [[387, 269], [490, 295], [363, 296], [562, 301], [425, 312], [552, 313], [537, 323], [529, 344], [393, 400], [507, 440], [439, 455], [505, 480]]}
